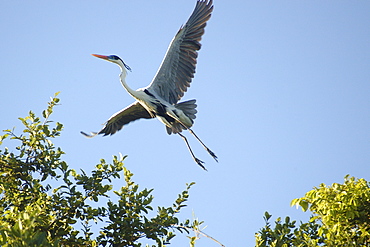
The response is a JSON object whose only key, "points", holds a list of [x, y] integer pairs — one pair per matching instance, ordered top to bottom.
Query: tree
{"points": [[34, 213], [341, 217]]}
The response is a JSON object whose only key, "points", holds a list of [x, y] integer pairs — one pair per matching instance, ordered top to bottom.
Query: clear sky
{"points": [[283, 93]]}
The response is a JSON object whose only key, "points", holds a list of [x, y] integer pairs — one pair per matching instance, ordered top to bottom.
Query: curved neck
{"points": [[122, 77]]}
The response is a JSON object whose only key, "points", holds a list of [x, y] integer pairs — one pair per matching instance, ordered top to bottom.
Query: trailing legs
{"points": [[198, 161]]}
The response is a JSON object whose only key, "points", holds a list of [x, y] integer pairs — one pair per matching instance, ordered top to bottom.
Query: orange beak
{"points": [[100, 56]]}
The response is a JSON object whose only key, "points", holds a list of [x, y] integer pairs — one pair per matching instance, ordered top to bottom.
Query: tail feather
{"points": [[188, 107]]}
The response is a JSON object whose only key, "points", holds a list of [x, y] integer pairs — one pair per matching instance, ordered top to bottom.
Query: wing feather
{"points": [[178, 66], [115, 123]]}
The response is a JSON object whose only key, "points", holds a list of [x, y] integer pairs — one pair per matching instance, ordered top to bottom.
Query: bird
{"points": [[160, 99]]}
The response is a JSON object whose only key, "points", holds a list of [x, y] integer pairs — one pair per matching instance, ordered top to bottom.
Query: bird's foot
{"points": [[212, 154], [200, 163]]}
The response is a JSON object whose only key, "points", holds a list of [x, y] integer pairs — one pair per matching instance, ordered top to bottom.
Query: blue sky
{"points": [[282, 90]]}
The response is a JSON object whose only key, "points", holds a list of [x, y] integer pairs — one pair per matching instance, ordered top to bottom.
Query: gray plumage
{"points": [[178, 66], [160, 98], [188, 107], [131, 113]]}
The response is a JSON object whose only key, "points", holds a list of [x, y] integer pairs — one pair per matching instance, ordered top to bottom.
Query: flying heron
{"points": [[160, 99]]}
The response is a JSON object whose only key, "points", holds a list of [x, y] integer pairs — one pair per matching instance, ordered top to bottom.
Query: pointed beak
{"points": [[101, 56]]}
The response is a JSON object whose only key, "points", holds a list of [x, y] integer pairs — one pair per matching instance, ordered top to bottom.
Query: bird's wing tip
{"points": [[91, 135]]}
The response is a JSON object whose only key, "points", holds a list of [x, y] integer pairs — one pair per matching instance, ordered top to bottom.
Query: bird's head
{"points": [[114, 59]]}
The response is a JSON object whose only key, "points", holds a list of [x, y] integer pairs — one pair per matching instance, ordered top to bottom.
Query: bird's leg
{"points": [[193, 133], [205, 147], [198, 161]]}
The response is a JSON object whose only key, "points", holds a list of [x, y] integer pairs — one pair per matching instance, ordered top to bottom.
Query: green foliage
{"points": [[342, 209], [36, 214], [341, 217], [287, 233]]}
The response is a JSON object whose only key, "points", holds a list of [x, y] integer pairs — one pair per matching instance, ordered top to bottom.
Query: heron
{"points": [[160, 99]]}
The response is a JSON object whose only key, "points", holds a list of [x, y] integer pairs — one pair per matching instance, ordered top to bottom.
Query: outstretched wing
{"points": [[178, 66], [115, 123]]}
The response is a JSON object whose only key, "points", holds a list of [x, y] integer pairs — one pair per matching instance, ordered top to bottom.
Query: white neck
{"points": [[124, 84]]}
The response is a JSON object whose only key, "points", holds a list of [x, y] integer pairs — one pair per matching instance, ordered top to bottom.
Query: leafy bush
{"points": [[36, 214], [341, 217]]}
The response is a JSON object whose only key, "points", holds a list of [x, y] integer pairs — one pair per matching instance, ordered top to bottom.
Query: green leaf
{"points": [[304, 205], [267, 216]]}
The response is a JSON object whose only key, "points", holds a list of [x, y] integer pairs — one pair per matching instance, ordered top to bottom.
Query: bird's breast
{"points": [[155, 106]]}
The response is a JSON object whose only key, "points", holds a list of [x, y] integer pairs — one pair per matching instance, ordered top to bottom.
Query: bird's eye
{"points": [[114, 57]]}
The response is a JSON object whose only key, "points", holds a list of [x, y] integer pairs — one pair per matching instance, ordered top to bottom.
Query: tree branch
{"points": [[199, 232]]}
